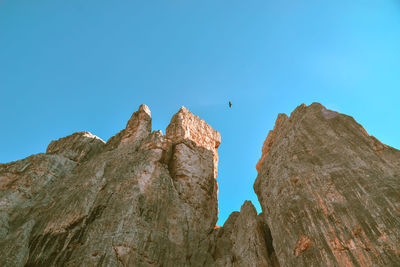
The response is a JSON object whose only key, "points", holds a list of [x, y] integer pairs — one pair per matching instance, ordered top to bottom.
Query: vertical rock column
{"points": [[193, 167]]}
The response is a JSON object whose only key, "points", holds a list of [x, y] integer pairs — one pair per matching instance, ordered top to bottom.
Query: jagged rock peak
{"points": [[145, 108], [142, 114], [185, 125], [138, 126], [76, 146], [329, 194], [141, 200]]}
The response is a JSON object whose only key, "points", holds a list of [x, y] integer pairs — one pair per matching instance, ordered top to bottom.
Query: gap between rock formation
{"points": [[329, 192]]}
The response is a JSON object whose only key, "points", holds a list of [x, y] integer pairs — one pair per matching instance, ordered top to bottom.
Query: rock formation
{"points": [[329, 192], [330, 195], [141, 199]]}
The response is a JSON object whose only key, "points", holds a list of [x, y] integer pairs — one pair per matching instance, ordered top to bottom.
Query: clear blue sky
{"points": [[68, 66]]}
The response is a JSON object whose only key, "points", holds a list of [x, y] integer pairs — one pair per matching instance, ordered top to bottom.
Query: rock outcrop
{"points": [[186, 126], [76, 147], [329, 192], [330, 196], [141, 199], [244, 240]]}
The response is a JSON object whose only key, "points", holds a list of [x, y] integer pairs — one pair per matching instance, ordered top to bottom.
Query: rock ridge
{"points": [[329, 192], [140, 199]]}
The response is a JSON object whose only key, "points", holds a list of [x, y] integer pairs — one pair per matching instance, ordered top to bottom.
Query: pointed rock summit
{"points": [[185, 125], [138, 126], [329, 192]]}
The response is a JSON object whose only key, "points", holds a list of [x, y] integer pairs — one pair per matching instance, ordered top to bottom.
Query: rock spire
{"points": [[329, 192]]}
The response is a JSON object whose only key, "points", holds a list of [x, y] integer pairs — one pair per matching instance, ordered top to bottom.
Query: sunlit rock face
{"points": [[186, 126], [137, 128], [76, 147], [329, 192], [141, 199]]}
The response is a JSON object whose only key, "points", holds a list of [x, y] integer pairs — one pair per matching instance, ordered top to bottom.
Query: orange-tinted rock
{"points": [[138, 126], [186, 126], [77, 146], [329, 191], [330, 196], [142, 199], [243, 240]]}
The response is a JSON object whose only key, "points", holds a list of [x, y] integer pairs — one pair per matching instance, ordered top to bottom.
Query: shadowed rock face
{"points": [[329, 193]]}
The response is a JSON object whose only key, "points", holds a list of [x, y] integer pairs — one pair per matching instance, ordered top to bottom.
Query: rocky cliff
{"points": [[330, 195]]}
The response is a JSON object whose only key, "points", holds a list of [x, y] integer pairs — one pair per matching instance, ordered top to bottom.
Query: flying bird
{"points": [[230, 104]]}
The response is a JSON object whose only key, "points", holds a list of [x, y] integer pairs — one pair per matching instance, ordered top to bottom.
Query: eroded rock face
{"points": [[138, 126], [186, 126], [77, 146], [330, 193], [330, 196], [142, 199]]}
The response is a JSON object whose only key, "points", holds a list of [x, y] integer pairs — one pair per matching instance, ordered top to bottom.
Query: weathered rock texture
{"points": [[186, 126], [330, 195], [141, 199], [244, 240]]}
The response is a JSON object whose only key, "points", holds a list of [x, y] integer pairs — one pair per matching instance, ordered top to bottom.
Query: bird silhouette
{"points": [[230, 104]]}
